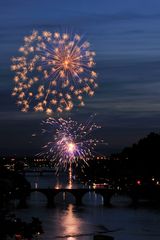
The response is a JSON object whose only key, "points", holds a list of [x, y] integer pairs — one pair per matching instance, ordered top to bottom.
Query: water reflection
{"points": [[70, 184], [70, 223], [81, 223]]}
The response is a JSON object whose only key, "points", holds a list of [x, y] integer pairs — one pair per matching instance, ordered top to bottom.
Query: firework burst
{"points": [[53, 72], [71, 142]]}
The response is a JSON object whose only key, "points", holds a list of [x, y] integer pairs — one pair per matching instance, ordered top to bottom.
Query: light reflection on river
{"points": [[66, 221]]}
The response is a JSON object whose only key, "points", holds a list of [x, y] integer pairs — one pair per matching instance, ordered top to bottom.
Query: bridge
{"points": [[38, 171], [136, 193]]}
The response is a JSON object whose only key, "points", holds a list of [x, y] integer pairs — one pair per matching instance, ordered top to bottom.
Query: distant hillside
{"points": [[144, 156]]}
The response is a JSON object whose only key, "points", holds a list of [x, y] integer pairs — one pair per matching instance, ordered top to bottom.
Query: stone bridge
{"points": [[135, 194]]}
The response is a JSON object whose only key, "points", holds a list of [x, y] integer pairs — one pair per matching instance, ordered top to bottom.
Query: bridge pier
{"points": [[79, 195], [134, 195], [106, 196], [50, 198], [107, 200], [78, 201], [50, 202], [22, 203]]}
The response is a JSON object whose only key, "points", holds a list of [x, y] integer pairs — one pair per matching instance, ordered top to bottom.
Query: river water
{"points": [[67, 221]]}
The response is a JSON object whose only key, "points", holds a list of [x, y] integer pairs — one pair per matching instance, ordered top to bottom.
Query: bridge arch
{"points": [[48, 193], [37, 196], [77, 196], [92, 198], [121, 199]]}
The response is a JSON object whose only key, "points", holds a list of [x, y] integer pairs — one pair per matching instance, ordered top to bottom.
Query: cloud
{"points": [[106, 19]]}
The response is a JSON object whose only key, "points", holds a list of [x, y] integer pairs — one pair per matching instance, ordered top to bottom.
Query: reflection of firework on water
{"points": [[53, 71], [71, 142]]}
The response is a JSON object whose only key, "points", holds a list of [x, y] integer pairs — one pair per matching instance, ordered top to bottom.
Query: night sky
{"points": [[126, 37]]}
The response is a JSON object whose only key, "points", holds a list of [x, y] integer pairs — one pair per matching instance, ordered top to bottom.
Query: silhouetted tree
{"points": [[143, 158], [12, 185], [11, 226]]}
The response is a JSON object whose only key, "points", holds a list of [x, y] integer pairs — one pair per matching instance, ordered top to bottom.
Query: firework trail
{"points": [[53, 72], [71, 142]]}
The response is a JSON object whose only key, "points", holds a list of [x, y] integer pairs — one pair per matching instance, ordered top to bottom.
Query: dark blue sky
{"points": [[126, 37]]}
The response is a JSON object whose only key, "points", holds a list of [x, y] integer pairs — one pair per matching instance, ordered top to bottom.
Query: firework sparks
{"points": [[53, 72], [71, 142]]}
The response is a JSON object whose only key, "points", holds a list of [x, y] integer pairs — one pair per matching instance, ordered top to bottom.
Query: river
{"points": [[67, 221]]}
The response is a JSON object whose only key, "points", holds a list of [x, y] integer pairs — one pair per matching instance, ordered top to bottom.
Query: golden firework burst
{"points": [[54, 72]]}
